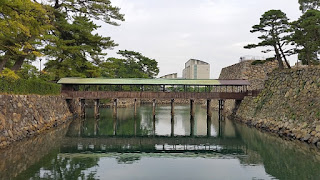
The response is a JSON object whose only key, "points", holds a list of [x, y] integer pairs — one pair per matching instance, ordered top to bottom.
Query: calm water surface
{"points": [[140, 146]]}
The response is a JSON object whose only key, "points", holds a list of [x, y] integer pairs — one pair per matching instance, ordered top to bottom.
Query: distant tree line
{"points": [[62, 32], [286, 38]]}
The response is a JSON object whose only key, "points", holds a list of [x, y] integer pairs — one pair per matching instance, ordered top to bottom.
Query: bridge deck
{"points": [[102, 88], [153, 95]]}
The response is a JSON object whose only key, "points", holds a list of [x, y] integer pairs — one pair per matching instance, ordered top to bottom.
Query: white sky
{"points": [[173, 31]]}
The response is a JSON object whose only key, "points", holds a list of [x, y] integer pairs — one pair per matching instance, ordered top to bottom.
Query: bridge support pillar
{"points": [[172, 106], [221, 106], [83, 107], [115, 107], [135, 107], [154, 107], [191, 107], [209, 107], [96, 108], [172, 124], [191, 125], [208, 125]]}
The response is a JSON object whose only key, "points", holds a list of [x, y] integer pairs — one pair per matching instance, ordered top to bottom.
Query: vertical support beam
{"points": [[221, 103], [172, 106], [83, 107], [115, 107], [135, 107], [154, 107], [191, 107], [209, 107], [96, 108], [115, 120], [154, 124], [172, 124], [191, 125], [208, 125], [135, 126]]}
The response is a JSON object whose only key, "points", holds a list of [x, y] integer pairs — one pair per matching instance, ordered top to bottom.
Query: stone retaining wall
{"points": [[255, 74], [289, 105], [23, 116]]}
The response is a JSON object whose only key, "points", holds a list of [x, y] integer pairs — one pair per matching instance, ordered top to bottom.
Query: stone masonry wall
{"points": [[256, 74], [289, 105], [27, 115]]}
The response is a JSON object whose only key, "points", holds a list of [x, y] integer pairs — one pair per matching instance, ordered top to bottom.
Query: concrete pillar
{"points": [[221, 105], [115, 106], [172, 106], [83, 107], [135, 107], [154, 107], [191, 107], [209, 107], [96, 108], [154, 124], [172, 124], [115, 125], [191, 125], [208, 125]]}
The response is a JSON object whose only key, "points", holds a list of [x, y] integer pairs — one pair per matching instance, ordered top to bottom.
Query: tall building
{"points": [[196, 69], [170, 76]]}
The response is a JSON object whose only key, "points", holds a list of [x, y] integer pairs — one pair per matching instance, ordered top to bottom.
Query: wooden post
{"points": [[221, 105], [115, 106], [172, 106], [135, 107], [154, 107], [191, 107], [208, 107], [83, 108], [96, 108], [154, 124], [172, 124], [115, 125], [191, 125], [208, 125]]}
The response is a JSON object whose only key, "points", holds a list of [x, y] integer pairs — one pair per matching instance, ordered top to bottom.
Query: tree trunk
{"points": [[278, 57], [284, 57], [3, 63], [17, 65]]}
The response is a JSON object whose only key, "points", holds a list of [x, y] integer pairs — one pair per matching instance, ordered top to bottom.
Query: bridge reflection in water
{"points": [[143, 132]]}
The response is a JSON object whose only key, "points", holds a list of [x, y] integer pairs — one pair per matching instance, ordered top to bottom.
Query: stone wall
{"points": [[256, 74], [289, 105], [27, 115]]}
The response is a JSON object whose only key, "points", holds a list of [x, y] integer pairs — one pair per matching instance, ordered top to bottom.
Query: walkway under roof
{"points": [[137, 81]]}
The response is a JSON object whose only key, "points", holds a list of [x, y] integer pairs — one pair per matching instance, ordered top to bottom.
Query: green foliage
{"points": [[309, 4], [24, 24], [274, 27], [307, 37], [256, 62], [133, 65], [9, 75], [29, 86]]}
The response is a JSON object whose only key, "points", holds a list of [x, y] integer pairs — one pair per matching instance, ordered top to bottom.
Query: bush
{"points": [[29, 86]]}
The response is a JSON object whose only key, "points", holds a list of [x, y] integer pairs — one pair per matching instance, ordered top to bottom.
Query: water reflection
{"points": [[143, 146]]}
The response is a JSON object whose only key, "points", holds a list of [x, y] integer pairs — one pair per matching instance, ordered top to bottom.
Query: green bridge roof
{"points": [[135, 81]]}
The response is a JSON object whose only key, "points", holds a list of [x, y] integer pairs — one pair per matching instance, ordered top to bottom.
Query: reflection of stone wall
{"points": [[256, 74], [289, 105], [26, 115], [22, 155]]}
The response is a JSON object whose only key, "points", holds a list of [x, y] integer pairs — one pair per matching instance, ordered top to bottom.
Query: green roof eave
{"points": [[137, 81]]}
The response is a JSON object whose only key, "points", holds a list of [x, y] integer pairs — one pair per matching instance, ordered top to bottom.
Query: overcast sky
{"points": [[173, 31]]}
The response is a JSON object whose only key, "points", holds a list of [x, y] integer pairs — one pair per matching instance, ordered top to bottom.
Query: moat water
{"points": [[140, 146]]}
